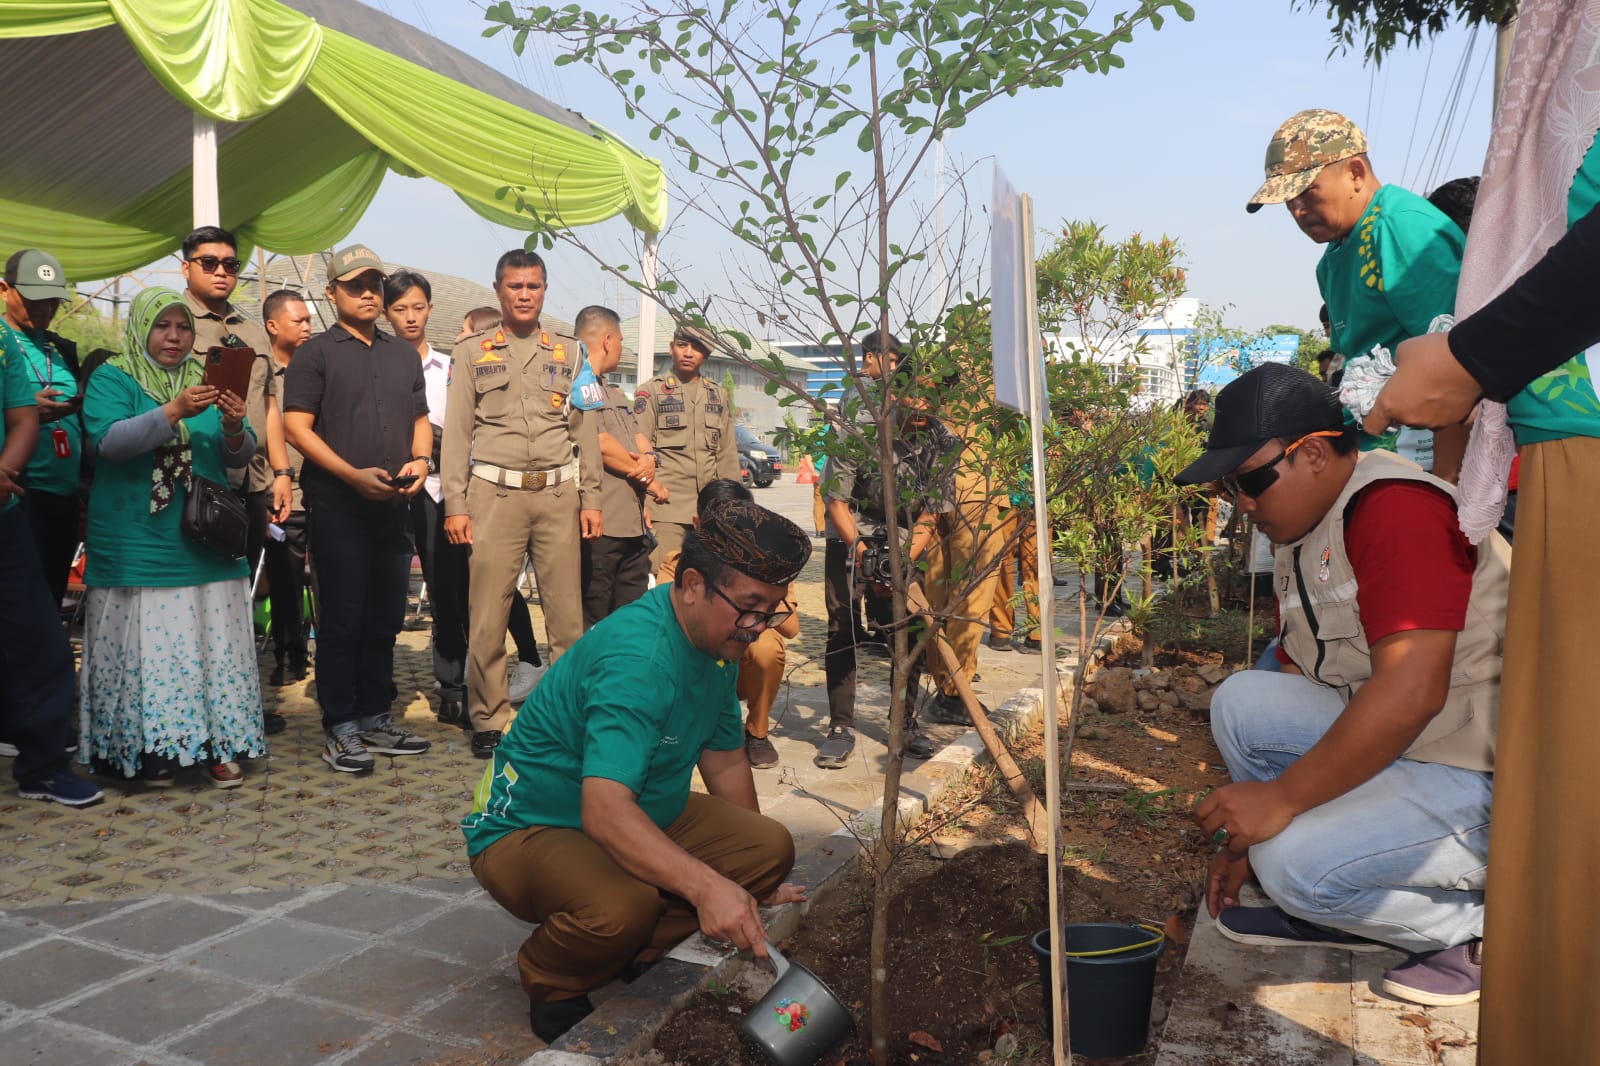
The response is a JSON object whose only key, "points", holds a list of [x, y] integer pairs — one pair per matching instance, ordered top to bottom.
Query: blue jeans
{"points": [[362, 552], [1401, 858]]}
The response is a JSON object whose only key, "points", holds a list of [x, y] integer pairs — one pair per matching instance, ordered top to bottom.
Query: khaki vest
{"points": [[1322, 632]]}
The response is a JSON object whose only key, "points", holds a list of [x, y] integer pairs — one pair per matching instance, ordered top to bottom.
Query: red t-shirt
{"points": [[1413, 564]]}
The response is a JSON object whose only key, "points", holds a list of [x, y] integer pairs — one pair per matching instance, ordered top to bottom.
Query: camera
{"points": [[873, 564]]}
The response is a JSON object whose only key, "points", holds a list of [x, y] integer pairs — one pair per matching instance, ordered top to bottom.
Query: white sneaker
{"points": [[522, 678]]}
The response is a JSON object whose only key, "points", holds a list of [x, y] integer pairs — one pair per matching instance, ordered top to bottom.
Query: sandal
{"points": [[157, 771], [227, 775]]}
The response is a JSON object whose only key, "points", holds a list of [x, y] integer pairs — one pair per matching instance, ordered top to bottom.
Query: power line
{"points": [[1476, 85], [1417, 117], [1442, 124]]}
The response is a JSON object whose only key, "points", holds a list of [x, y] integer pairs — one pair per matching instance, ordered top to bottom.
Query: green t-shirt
{"points": [[1387, 281], [45, 367], [14, 392], [1563, 403], [125, 545], [632, 702]]}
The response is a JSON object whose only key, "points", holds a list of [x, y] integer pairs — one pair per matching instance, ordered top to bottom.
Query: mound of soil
{"points": [[961, 972]]}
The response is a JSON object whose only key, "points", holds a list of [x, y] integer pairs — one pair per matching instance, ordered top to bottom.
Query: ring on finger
{"points": [[1220, 837]]}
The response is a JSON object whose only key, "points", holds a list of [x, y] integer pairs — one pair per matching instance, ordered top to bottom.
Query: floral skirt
{"points": [[169, 672]]}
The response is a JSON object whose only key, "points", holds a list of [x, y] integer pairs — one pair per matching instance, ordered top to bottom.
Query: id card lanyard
{"points": [[58, 436]]}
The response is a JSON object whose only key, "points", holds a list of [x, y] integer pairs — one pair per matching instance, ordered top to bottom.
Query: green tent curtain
{"points": [[326, 117]]}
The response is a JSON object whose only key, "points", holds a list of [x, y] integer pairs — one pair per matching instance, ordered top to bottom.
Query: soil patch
{"points": [[964, 984]]}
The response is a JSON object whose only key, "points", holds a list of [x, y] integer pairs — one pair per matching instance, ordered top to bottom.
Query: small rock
{"points": [[1214, 673], [1159, 681], [1189, 683], [1113, 690], [1169, 698], [1148, 701], [1197, 702], [1158, 1012], [1006, 1046], [985, 1056]]}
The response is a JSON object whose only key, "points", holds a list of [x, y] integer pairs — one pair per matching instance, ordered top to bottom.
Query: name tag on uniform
{"points": [[489, 373], [713, 408]]}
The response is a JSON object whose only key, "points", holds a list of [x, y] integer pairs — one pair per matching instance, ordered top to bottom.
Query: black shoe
{"points": [[1059, 581], [1114, 609], [1001, 643], [1031, 644], [299, 665], [282, 674], [975, 678], [945, 709], [454, 712], [273, 723], [483, 744], [918, 744], [551, 1020]]}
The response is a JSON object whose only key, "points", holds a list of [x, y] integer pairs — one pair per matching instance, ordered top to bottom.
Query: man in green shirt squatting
{"points": [[584, 821]]}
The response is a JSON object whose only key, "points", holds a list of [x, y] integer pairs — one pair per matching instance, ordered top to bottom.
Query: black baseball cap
{"points": [[1270, 402]]}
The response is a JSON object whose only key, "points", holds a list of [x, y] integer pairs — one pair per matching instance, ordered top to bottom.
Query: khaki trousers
{"points": [[507, 524], [669, 540], [969, 545], [1003, 613], [760, 675], [594, 917], [1541, 956]]}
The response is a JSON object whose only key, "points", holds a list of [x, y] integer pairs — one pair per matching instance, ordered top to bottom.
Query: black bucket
{"points": [[1111, 977]]}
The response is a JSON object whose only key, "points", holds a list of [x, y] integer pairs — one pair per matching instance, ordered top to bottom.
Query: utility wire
{"points": [[1476, 85], [1415, 118], [1441, 125]]}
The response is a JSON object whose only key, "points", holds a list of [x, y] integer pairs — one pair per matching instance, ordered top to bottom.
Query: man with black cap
{"points": [[1391, 260], [356, 407], [689, 423], [1363, 771], [584, 821]]}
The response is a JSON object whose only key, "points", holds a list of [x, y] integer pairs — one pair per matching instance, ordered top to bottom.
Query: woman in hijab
{"points": [[169, 668]]}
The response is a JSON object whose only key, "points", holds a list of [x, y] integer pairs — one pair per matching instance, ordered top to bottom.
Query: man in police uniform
{"points": [[210, 273], [690, 425], [521, 472]]}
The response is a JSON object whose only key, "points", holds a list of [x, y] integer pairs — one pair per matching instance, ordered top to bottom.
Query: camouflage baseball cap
{"points": [[1300, 149]]}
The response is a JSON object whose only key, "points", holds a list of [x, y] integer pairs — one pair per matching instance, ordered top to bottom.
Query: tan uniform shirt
{"points": [[210, 330], [507, 406], [690, 426], [296, 460], [621, 500]]}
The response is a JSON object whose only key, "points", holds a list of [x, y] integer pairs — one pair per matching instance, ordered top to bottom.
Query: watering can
{"points": [[798, 1021]]}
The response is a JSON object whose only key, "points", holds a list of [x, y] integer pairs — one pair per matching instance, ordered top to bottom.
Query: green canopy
{"points": [[312, 103]]}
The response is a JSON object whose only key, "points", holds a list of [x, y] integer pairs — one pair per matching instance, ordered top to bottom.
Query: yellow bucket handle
{"points": [[1160, 935]]}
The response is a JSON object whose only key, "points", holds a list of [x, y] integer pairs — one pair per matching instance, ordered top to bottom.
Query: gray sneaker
{"points": [[390, 739], [760, 752], [834, 753], [346, 754]]}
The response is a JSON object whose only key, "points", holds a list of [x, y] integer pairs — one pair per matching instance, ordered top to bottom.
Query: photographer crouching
{"points": [[856, 558]]}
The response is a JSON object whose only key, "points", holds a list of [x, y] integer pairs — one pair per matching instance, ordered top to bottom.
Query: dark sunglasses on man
{"points": [[209, 263], [1253, 483]]}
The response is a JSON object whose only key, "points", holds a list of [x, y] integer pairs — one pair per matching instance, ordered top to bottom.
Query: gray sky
{"points": [[1172, 143]]}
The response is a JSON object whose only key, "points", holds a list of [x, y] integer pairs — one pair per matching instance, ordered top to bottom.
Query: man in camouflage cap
{"points": [[1392, 258]]}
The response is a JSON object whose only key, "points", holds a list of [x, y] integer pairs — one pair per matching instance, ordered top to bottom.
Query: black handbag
{"points": [[214, 517]]}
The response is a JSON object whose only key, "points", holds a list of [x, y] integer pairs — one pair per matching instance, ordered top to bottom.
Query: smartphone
{"points": [[404, 481]]}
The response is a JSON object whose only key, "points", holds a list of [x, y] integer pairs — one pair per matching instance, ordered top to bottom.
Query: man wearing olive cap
{"points": [[1392, 259], [1363, 771], [584, 821]]}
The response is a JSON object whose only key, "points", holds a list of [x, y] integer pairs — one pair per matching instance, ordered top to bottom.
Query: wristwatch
{"points": [[426, 459], [285, 472]]}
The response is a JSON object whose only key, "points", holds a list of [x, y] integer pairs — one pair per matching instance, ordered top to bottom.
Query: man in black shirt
{"points": [[355, 405], [854, 493]]}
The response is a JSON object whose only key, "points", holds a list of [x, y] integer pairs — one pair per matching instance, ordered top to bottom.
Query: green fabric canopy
{"points": [[98, 147]]}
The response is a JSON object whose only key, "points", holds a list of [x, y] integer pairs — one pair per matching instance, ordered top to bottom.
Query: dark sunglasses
{"points": [[209, 263], [368, 282], [1253, 483], [748, 620]]}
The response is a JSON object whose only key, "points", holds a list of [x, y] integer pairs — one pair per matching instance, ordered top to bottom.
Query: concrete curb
{"points": [[627, 1023]]}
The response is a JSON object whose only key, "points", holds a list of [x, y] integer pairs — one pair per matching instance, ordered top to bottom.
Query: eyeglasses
{"points": [[209, 263], [368, 282], [1253, 483], [753, 619]]}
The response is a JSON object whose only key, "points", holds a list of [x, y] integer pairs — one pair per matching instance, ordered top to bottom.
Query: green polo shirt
{"points": [[1387, 281], [45, 367], [14, 392], [127, 546], [633, 702]]}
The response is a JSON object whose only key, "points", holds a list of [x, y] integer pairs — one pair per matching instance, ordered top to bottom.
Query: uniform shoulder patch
{"points": [[641, 400]]}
